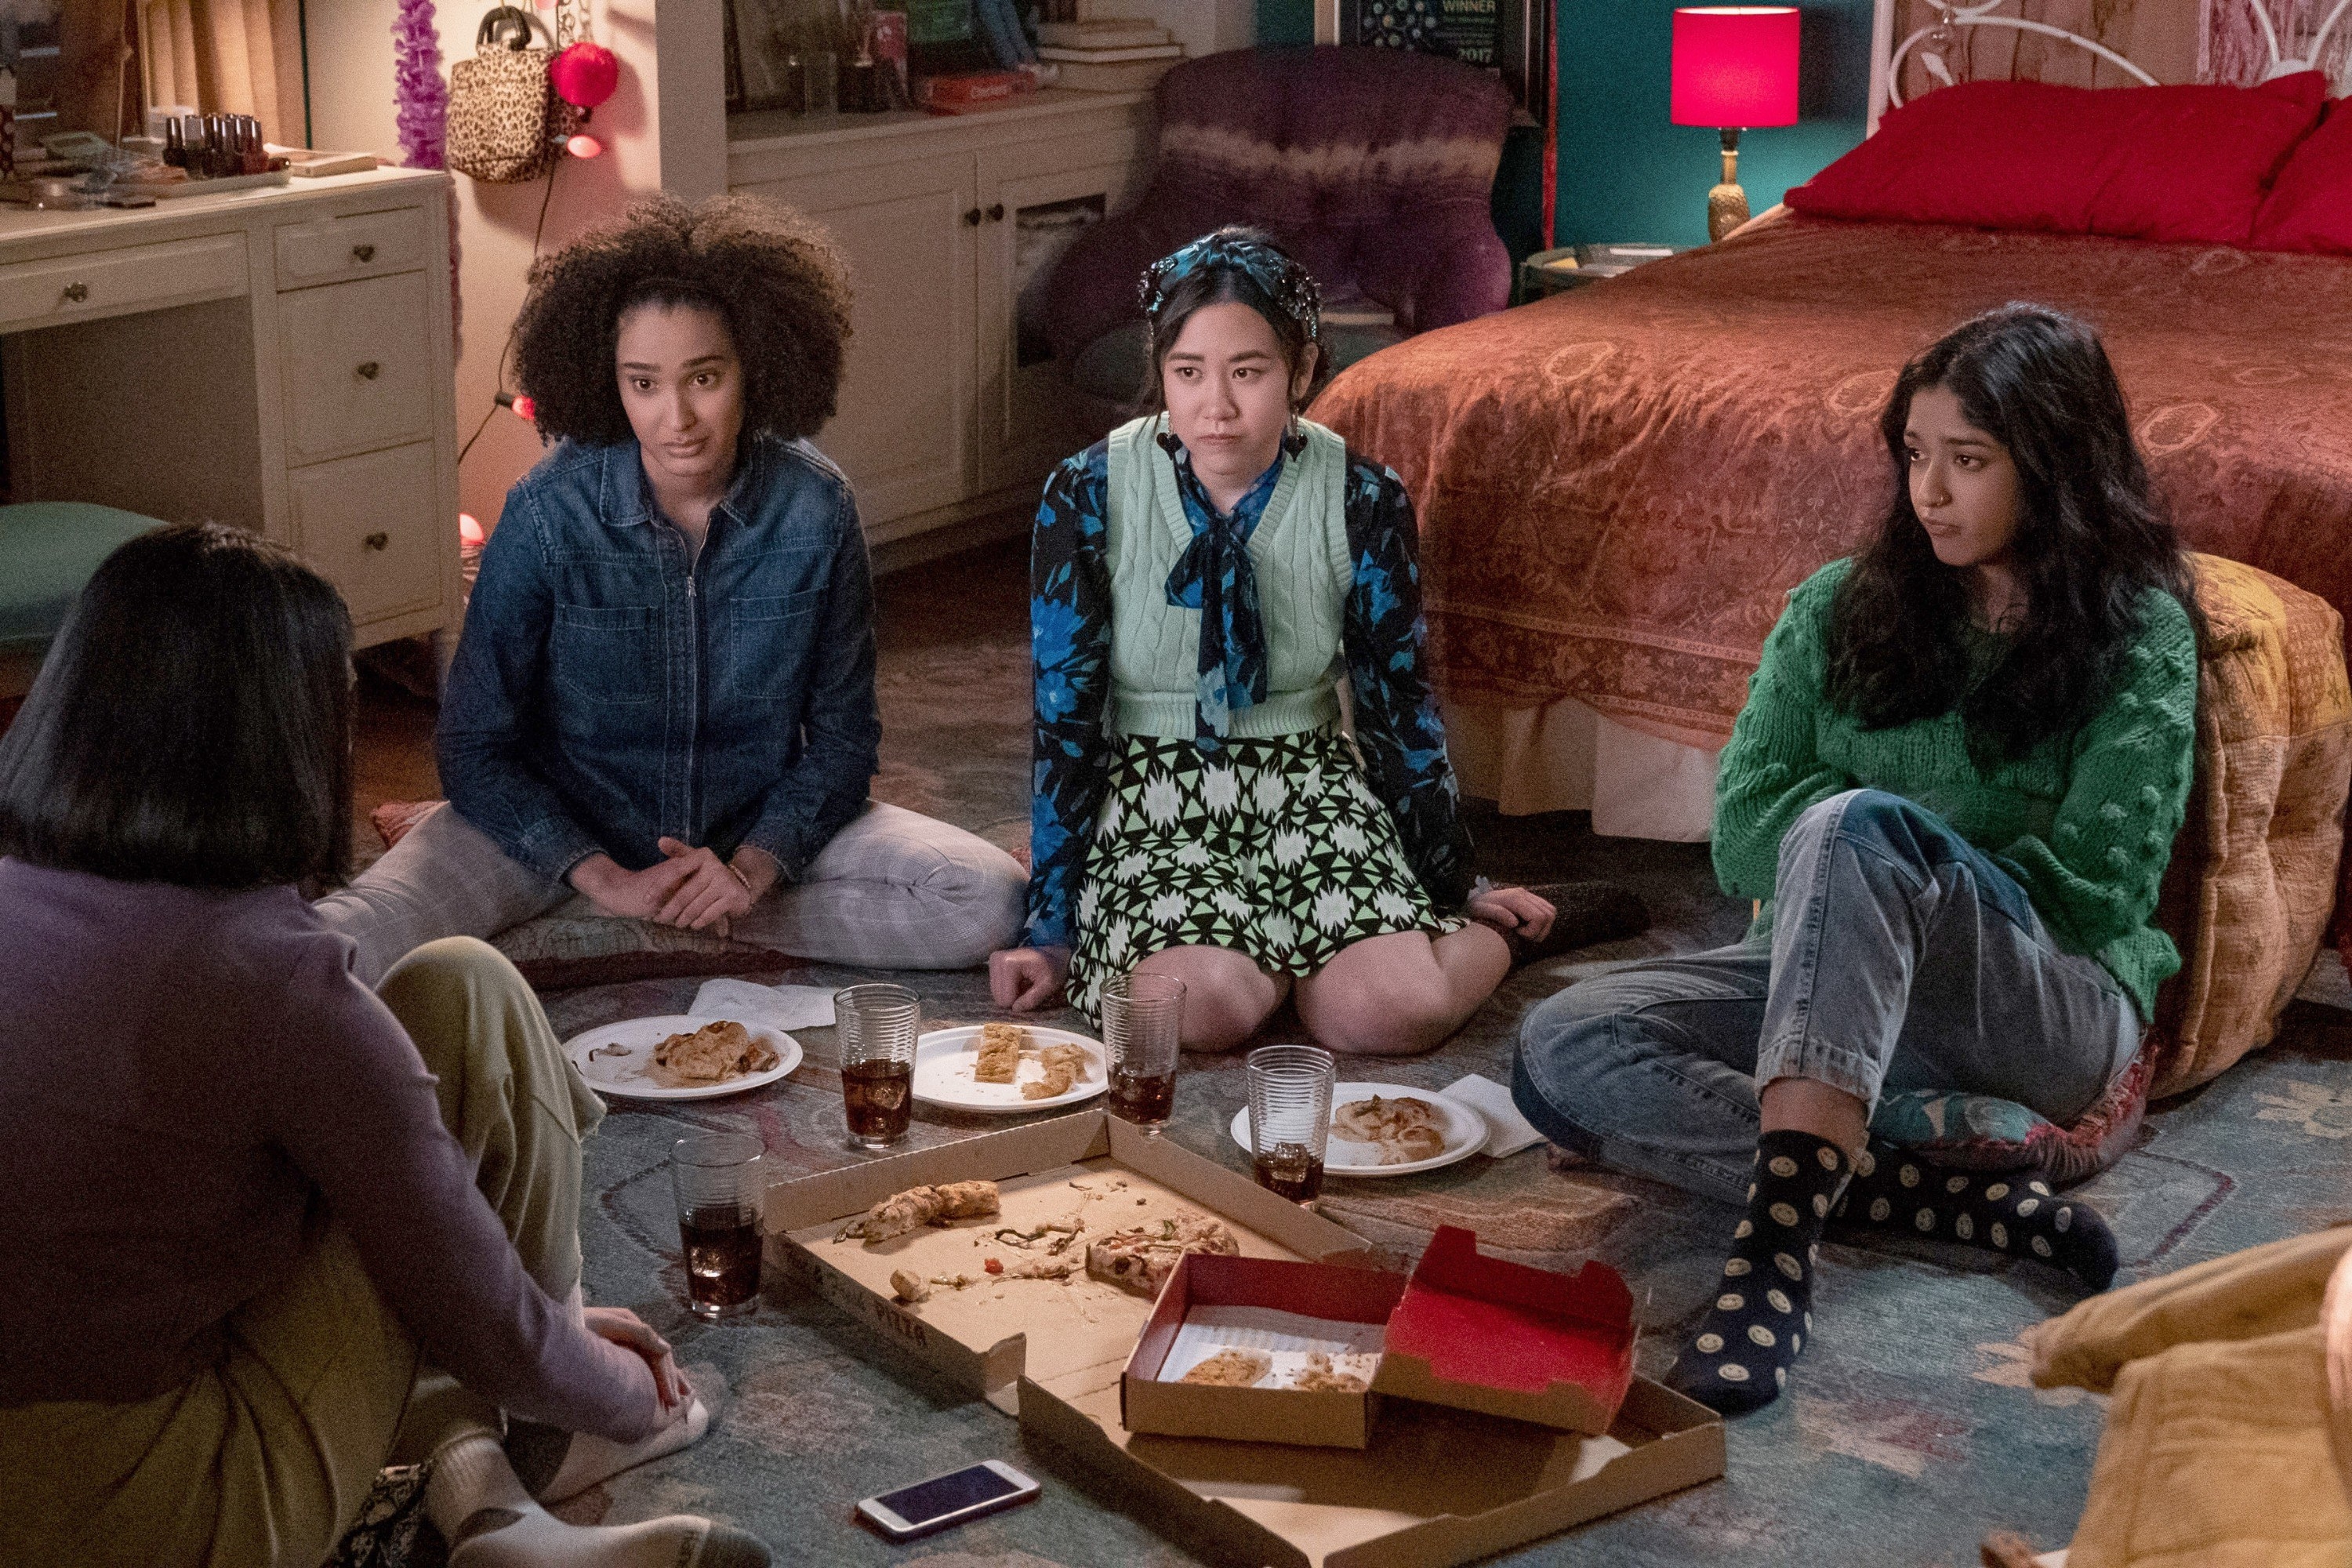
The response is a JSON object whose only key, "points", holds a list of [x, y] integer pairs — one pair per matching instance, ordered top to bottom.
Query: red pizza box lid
{"points": [[1480, 1334]]}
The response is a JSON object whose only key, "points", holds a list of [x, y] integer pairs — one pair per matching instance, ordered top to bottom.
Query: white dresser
{"points": [[277, 359]]}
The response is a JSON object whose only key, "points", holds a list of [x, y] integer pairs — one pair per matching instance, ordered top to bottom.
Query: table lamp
{"points": [[1735, 68]]}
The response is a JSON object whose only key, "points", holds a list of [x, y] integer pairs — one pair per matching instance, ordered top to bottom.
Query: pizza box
{"points": [[1281, 1310], [993, 1330], [1467, 1330], [1485, 1334], [1433, 1486]]}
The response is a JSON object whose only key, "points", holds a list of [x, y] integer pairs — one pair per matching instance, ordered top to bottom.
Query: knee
{"points": [[1889, 823], [986, 892], [973, 898], [461, 962], [446, 993], [1221, 1018], [1381, 1020], [1569, 1040]]}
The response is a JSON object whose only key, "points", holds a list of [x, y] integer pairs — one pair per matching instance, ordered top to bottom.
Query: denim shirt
{"points": [[607, 692]]}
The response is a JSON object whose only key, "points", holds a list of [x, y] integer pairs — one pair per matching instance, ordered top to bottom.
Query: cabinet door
{"points": [[1028, 420], [903, 434]]}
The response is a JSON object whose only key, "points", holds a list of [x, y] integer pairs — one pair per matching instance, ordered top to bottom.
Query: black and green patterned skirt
{"points": [[1275, 848]]}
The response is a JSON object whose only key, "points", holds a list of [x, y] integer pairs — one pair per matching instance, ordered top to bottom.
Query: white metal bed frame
{"points": [[1886, 56]]}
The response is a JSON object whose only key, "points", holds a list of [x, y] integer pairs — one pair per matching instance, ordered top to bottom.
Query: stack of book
{"points": [[969, 55], [1110, 55], [961, 92]]}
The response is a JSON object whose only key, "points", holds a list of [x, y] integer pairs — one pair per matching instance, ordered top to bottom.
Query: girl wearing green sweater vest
{"points": [[1206, 583], [1954, 788]]}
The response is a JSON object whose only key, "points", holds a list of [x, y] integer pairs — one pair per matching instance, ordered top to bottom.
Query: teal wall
{"points": [[1285, 21], [1625, 172], [1627, 175]]}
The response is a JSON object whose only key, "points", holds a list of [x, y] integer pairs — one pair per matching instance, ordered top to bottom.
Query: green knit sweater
{"points": [[2084, 822]]}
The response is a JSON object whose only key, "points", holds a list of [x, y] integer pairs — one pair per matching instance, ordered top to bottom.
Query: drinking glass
{"points": [[820, 74], [1142, 1018], [876, 1025], [1290, 1117], [719, 1179]]}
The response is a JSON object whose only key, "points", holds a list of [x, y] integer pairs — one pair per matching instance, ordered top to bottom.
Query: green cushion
{"points": [[47, 551]]}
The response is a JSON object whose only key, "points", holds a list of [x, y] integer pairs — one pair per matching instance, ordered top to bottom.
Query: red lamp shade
{"points": [[1735, 65]]}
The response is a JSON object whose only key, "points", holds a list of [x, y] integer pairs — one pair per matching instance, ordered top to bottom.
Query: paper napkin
{"points": [[785, 1007], [1507, 1132]]}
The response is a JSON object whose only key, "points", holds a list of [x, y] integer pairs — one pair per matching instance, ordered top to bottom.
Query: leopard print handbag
{"points": [[503, 112]]}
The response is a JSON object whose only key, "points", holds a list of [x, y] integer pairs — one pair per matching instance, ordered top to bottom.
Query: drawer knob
{"points": [[996, 213], [971, 217], [362, 253], [77, 292], [370, 370], [378, 542]]}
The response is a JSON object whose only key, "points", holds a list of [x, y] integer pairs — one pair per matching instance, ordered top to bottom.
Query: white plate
{"points": [[944, 1060], [626, 1076], [1466, 1132]]}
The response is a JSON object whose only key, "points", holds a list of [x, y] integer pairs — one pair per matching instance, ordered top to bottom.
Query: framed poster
{"points": [[1510, 38]]}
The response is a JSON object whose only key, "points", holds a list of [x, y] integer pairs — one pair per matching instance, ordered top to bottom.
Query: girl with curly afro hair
{"points": [[662, 703]]}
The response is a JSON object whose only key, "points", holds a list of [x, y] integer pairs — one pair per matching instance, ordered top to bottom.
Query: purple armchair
{"points": [[1375, 166]]}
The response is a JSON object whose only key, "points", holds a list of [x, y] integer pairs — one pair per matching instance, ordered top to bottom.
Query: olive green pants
{"points": [[264, 1457]]}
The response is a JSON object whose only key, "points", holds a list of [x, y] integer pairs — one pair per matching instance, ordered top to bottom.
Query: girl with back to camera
{"points": [[1203, 582], [1955, 787], [269, 1227]]}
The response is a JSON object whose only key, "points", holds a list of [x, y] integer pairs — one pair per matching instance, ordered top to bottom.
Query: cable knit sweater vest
{"points": [[1300, 549], [2084, 822]]}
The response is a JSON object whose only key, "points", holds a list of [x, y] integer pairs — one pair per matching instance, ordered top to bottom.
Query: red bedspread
{"points": [[1617, 485]]}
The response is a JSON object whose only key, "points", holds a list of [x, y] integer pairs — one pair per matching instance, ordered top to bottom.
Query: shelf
{"points": [[777, 129]]}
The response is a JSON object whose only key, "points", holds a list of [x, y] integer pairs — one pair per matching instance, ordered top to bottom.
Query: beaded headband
{"points": [[1283, 280]]}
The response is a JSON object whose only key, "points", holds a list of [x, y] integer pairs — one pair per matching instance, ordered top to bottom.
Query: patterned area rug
{"points": [[1909, 1431]]}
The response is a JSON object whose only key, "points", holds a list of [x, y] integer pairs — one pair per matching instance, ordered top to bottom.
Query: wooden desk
{"points": [[277, 359]]}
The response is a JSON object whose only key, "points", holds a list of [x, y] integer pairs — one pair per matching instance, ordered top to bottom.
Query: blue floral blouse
{"points": [[1398, 729]]}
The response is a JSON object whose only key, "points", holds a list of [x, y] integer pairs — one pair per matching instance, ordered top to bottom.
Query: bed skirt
{"points": [[1568, 756]]}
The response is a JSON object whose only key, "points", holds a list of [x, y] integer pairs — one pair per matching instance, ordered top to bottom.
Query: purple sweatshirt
{"points": [[182, 1074]]}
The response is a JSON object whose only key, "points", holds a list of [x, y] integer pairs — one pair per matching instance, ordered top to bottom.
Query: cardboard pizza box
{"points": [[1278, 1310], [1467, 1330], [989, 1333], [1481, 1333], [1432, 1488]]}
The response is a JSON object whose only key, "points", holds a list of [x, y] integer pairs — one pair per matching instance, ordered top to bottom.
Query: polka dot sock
{"points": [[2003, 1211], [1740, 1357]]}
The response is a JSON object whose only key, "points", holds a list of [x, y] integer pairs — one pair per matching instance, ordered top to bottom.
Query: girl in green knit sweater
{"points": [[1954, 790]]}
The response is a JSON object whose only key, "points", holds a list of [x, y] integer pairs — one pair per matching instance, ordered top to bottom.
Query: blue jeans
{"points": [[1900, 958]]}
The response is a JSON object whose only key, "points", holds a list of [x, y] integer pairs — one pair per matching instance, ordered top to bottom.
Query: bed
{"points": [[1618, 486]]}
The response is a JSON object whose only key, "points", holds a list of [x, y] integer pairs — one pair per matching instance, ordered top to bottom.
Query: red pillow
{"points": [[2150, 163], [2310, 205]]}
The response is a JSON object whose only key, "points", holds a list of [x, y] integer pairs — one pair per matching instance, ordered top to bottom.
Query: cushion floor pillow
{"points": [[2247, 894]]}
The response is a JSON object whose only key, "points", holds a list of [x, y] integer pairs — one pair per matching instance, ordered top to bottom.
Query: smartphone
{"points": [[947, 1499]]}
